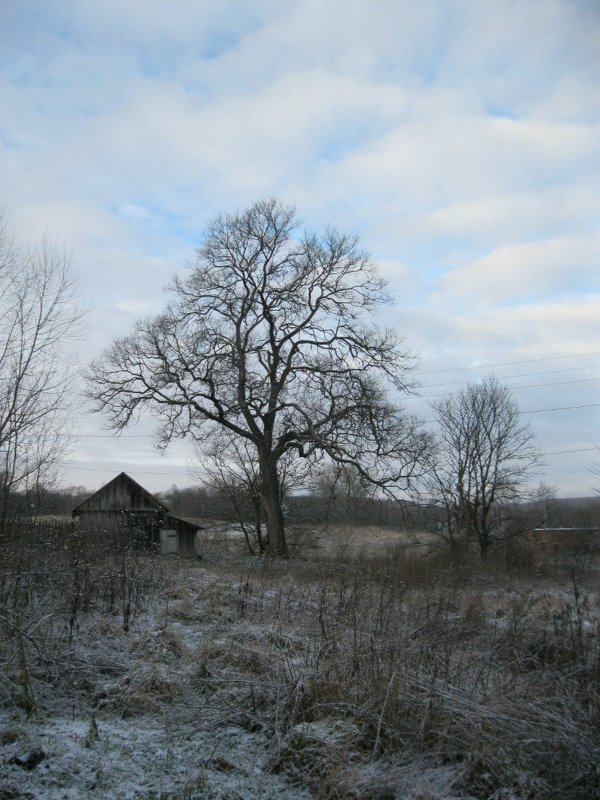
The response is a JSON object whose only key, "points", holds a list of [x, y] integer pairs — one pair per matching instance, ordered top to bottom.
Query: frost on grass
{"points": [[250, 679], [118, 714], [126, 761]]}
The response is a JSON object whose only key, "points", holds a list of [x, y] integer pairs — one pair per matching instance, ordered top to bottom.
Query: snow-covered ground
{"points": [[240, 679], [129, 717]]}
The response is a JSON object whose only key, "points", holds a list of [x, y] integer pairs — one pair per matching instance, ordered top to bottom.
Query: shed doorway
{"points": [[168, 542]]}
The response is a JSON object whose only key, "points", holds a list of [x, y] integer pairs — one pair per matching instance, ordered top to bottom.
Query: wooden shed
{"points": [[130, 513]]}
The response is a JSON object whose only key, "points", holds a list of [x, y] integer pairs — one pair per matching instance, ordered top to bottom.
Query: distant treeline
{"points": [[44, 501], [200, 502], [309, 508], [314, 508]]}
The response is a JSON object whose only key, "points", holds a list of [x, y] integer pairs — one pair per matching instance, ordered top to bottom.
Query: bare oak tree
{"points": [[38, 315], [267, 338], [483, 461]]}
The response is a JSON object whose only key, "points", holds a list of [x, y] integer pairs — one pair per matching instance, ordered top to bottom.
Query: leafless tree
{"points": [[38, 315], [268, 338], [483, 461], [230, 465], [341, 490]]}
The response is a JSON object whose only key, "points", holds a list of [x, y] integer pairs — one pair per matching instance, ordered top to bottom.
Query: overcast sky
{"points": [[459, 139]]}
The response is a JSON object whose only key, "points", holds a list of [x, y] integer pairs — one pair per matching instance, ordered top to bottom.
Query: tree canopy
{"points": [[270, 337]]}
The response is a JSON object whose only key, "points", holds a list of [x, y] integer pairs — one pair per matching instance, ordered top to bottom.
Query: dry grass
{"points": [[493, 673], [388, 677]]}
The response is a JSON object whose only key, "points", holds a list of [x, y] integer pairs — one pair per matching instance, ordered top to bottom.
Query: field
{"points": [[349, 672]]}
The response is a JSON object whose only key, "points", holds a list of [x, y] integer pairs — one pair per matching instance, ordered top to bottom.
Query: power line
{"points": [[510, 363], [512, 377], [558, 383], [524, 386], [513, 388], [558, 408], [538, 410], [544, 410], [529, 411], [112, 436], [566, 452], [74, 463], [185, 467], [106, 469]]}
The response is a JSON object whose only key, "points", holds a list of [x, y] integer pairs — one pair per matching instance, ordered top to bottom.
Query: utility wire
{"points": [[509, 363], [512, 377], [558, 383], [512, 388], [515, 388], [558, 408], [118, 437], [566, 452], [185, 466], [107, 469]]}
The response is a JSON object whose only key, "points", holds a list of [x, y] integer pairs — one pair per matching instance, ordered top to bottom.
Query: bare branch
{"points": [[39, 314], [269, 338]]}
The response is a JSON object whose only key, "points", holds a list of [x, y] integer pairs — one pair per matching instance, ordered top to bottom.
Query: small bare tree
{"points": [[38, 315], [269, 338], [483, 461], [231, 466], [341, 490]]}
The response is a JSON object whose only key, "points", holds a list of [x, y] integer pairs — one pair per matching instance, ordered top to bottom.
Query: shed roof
{"points": [[113, 494]]}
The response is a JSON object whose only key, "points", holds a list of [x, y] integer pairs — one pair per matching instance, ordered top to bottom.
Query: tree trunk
{"points": [[271, 498], [258, 523], [484, 534], [483, 537]]}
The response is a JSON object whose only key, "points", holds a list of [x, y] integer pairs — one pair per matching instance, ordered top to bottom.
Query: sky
{"points": [[458, 139]]}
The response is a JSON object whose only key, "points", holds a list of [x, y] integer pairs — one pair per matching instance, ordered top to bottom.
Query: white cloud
{"points": [[513, 216], [520, 272], [137, 308]]}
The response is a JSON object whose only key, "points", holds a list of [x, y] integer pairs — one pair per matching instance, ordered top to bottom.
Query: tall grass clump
{"points": [[52, 578], [485, 669]]}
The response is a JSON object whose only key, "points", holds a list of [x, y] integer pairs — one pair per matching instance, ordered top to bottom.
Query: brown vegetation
{"points": [[385, 677]]}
